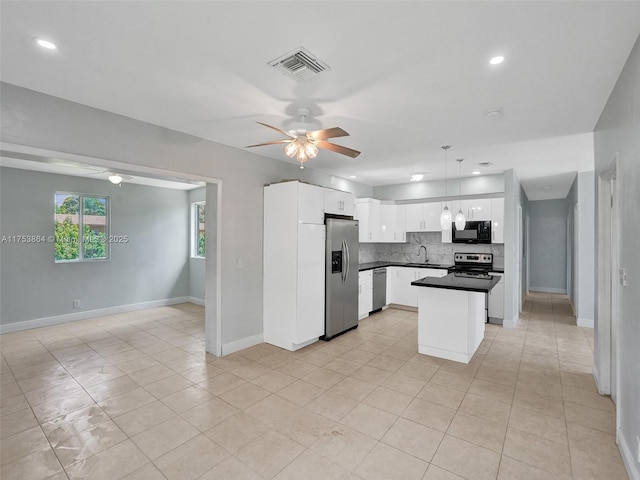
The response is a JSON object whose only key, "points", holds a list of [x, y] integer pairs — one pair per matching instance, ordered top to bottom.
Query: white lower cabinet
{"points": [[392, 284], [399, 288], [365, 293], [407, 294], [496, 299]]}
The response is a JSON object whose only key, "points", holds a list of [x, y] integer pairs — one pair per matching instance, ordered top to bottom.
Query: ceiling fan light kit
{"points": [[303, 144], [115, 179]]}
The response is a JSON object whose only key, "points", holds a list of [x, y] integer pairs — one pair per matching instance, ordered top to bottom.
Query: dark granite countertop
{"points": [[372, 265], [453, 282]]}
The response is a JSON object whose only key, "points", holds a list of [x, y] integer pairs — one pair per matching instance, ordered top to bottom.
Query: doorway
{"points": [[213, 230], [606, 334]]}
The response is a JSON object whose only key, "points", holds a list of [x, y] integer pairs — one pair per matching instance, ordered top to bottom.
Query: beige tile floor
{"points": [[134, 396]]}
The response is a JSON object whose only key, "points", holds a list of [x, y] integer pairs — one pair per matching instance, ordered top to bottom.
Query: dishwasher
{"points": [[379, 289]]}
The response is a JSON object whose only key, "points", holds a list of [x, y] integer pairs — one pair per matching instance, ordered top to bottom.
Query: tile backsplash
{"points": [[437, 252]]}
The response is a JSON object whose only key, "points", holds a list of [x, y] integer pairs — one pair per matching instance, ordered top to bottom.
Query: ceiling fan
{"points": [[304, 144]]}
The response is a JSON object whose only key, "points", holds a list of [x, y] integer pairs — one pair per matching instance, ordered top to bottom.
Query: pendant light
{"points": [[445, 216], [460, 220]]}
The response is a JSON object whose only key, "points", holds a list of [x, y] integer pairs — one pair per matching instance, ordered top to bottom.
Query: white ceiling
{"points": [[406, 76]]}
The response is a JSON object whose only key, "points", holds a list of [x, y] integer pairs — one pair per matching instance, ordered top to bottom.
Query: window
{"points": [[77, 213], [198, 215]]}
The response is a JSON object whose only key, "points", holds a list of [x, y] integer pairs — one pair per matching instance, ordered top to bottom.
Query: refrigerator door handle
{"points": [[344, 257], [348, 260]]}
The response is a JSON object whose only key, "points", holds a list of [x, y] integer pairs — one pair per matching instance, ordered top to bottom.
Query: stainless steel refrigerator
{"points": [[341, 276]]}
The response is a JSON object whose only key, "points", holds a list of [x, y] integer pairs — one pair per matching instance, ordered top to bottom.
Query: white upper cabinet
{"points": [[338, 203], [476, 209], [432, 212], [368, 215], [414, 217], [422, 217], [497, 220], [380, 223], [392, 224]]}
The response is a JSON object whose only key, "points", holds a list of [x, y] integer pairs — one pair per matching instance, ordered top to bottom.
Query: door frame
{"points": [[607, 286], [213, 324]]}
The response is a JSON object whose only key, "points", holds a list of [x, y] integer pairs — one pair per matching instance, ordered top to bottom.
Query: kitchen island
{"points": [[452, 314]]}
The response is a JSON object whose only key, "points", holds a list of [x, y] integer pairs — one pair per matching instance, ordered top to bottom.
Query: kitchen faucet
{"points": [[425, 253]]}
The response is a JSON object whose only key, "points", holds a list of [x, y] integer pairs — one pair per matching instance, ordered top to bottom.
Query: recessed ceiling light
{"points": [[46, 44], [496, 60], [494, 113], [485, 164], [475, 173], [352, 176], [416, 177], [545, 188]]}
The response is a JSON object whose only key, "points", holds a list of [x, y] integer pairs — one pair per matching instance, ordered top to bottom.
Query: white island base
{"points": [[450, 322]]}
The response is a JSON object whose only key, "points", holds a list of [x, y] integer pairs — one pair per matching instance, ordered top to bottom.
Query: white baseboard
{"points": [[548, 290], [196, 301], [88, 314], [586, 322], [513, 323], [241, 344], [602, 389], [628, 457]]}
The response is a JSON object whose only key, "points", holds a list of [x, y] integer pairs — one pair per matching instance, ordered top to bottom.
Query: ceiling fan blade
{"points": [[284, 132], [327, 133], [275, 142], [349, 152]]}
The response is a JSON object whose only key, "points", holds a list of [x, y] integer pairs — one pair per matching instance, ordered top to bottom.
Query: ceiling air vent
{"points": [[300, 64]]}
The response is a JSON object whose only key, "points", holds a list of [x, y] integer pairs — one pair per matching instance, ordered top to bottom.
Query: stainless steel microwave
{"points": [[474, 232]]}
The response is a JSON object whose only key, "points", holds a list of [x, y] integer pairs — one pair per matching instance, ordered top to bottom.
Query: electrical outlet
{"points": [[239, 264], [623, 276], [76, 303]]}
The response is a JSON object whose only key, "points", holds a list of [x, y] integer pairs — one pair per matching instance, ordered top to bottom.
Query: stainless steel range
{"points": [[474, 265]]}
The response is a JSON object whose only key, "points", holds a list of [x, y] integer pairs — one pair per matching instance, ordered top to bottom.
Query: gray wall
{"points": [[40, 121], [618, 132], [483, 185], [582, 194], [515, 199], [548, 248], [197, 265], [151, 266]]}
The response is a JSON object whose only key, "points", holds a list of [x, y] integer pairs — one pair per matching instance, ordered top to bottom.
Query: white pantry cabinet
{"points": [[338, 202], [497, 220], [293, 265], [365, 293]]}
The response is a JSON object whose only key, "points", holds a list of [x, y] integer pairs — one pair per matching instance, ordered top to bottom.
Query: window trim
{"points": [[82, 196], [194, 230]]}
